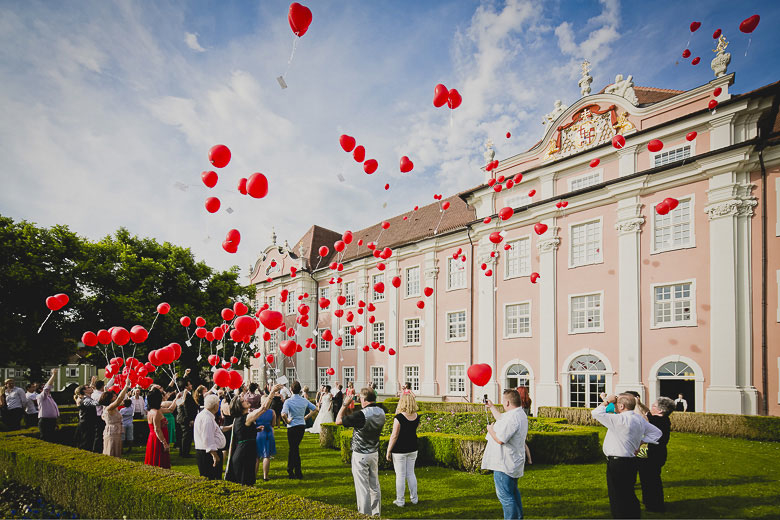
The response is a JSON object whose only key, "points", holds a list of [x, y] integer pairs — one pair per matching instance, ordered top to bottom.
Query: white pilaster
{"points": [[627, 160], [628, 226], [486, 303], [391, 327], [304, 360], [361, 371], [428, 385], [547, 388], [730, 389]]}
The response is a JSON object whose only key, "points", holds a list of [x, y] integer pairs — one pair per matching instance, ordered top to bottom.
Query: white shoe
{"points": [[414, 502], [399, 504]]}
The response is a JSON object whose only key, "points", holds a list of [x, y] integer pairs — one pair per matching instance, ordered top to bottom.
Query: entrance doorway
{"points": [[687, 387]]}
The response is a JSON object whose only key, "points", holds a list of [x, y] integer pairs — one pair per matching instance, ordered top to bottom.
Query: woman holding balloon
{"points": [[112, 434]]}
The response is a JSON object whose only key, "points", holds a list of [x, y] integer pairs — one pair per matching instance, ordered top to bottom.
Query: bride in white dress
{"points": [[325, 414]]}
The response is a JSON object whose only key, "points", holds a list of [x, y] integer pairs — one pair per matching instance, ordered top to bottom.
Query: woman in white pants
{"points": [[403, 448]]}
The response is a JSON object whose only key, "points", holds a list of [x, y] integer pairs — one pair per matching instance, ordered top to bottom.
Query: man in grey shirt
{"points": [[368, 424]]}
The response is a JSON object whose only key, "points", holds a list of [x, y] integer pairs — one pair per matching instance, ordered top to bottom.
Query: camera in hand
{"points": [[485, 399]]}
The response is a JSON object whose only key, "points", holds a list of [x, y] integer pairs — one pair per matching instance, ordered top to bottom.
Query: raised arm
{"points": [[50, 382], [120, 398], [344, 406], [493, 410], [600, 413], [252, 417]]}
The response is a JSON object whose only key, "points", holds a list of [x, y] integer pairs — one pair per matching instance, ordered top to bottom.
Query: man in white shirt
{"points": [[285, 393], [32, 394], [15, 402], [680, 404], [626, 431], [209, 439], [505, 451]]}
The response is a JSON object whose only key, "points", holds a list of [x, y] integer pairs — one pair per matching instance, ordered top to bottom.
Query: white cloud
{"points": [[191, 39]]}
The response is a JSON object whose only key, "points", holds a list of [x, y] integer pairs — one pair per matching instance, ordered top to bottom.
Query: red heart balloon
{"points": [[299, 18], [749, 25], [695, 26], [716, 34], [686, 53], [695, 60], [717, 92], [440, 95], [454, 99], [712, 104], [691, 136], [618, 141], [347, 142], [656, 145], [359, 154], [219, 155], [595, 162], [406, 165], [370, 166], [209, 178], [257, 186], [671, 203], [212, 204], [662, 208], [506, 213], [540, 228], [495, 237], [534, 277], [396, 281], [379, 287], [428, 291], [420, 304], [271, 319], [288, 347], [480, 374], [222, 378]]}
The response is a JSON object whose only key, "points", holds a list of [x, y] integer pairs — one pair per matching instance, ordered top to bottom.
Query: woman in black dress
{"points": [[85, 431], [402, 448], [243, 450], [650, 468]]}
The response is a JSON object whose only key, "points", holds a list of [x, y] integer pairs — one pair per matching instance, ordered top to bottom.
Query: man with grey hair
{"points": [[368, 423], [626, 431], [209, 439], [650, 467]]}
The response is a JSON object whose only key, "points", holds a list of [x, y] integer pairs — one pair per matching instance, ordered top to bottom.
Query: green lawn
{"points": [[705, 477]]}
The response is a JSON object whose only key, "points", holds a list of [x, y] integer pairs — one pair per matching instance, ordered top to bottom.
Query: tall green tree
{"points": [[119, 281]]}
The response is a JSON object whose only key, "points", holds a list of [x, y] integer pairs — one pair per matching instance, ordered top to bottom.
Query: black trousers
{"points": [[12, 417], [30, 419], [47, 427], [294, 438], [97, 443], [185, 445], [206, 465], [621, 477], [652, 487]]}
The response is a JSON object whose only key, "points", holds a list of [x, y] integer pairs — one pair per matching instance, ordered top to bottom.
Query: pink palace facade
{"points": [[627, 299]]}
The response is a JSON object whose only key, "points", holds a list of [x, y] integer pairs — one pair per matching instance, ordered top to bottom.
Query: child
{"points": [[127, 424]]}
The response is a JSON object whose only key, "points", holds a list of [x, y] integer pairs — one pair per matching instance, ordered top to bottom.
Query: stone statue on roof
{"points": [[722, 58], [586, 79], [623, 88], [557, 110], [490, 153]]}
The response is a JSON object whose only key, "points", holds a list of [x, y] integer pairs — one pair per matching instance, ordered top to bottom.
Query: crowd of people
{"points": [[233, 434]]}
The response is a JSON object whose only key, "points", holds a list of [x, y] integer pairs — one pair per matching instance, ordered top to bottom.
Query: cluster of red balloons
{"points": [[347, 143], [665, 206], [232, 239], [130, 369], [228, 378]]}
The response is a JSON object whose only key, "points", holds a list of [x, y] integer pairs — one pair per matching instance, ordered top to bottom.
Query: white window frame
{"points": [[674, 148], [598, 173], [653, 215], [599, 255], [462, 273], [522, 273], [324, 292], [408, 294], [351, 296], [375, 296], [271, 303], [601, 306], [292, 308], [672, 324], [374, 327], [419, 332], [519, 334], [346, 336], [465, 336], [272, 342], [322, 345], [72, 372], [289, 372], [255, 375], [322, 376], [345, 378], [414, 379], [450, 380], [379, 388]]}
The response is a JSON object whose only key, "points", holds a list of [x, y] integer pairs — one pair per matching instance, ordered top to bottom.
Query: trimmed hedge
{"points": [[390, 404], [751, 427], [465, 452], [96, 486]]}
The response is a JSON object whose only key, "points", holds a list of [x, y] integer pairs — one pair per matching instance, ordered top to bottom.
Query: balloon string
{"points": [[748, 47], [292, 55], [441, 216], [44, 322], [153, 322]]}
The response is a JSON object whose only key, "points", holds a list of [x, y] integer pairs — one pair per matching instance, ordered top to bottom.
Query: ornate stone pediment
{"points": [[588, 128]]}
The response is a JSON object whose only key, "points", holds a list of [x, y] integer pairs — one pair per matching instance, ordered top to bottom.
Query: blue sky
{"points": [[108, 105]]}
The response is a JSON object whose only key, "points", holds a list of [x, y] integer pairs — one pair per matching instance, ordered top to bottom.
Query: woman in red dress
{"points": [[158, 448]]}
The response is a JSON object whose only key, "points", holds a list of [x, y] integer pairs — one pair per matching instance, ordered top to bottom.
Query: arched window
{"points": [[676, 369], [517, 375], [677, 378], [587, 379]]}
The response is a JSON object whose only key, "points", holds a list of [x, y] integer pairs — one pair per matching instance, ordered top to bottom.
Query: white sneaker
{"points": [[414, 502], [399, 504]]}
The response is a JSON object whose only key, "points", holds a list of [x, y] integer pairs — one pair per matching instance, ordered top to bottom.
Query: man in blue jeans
{"points": [[294, 415], [505, 451]]}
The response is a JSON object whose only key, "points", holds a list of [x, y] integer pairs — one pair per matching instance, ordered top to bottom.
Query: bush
{"points": [[390, 404], [752, 427], [464, 452], [96, 486]]}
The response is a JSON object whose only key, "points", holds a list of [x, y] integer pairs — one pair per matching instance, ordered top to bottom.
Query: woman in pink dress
{"points": [[112, 434]]}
